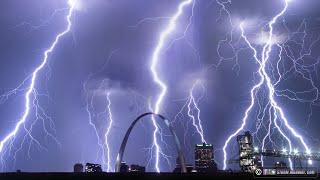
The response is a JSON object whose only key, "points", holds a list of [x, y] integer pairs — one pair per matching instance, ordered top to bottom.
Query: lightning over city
{"points": [[153, 68], [159, 89], [192, 110], [274, 110], [108, 132]]}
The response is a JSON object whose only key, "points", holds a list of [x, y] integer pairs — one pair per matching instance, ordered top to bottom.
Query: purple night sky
{"points": [[109, 41]]}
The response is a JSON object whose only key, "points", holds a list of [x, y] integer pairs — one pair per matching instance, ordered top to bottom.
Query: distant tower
{"points": [[204, 158], [248, 162], [78, 168], [93, 168], [124, 168]]}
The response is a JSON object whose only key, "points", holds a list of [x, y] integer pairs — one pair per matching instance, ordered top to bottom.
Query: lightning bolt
{"points": [[32, 27], [153, 68], [265, 79], [31, 90], [105, 90], [193, 102], [191, 106], [93, 116], [109, 167]]}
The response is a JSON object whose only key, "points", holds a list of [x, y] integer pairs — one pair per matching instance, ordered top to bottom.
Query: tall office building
{"points": [[204, 158], [248, 162]]}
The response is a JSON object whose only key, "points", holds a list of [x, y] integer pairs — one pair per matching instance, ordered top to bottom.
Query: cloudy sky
{"points": [[109, 51]]}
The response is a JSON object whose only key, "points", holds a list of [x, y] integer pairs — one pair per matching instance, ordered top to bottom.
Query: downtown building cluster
{"points": [[204, 163]]}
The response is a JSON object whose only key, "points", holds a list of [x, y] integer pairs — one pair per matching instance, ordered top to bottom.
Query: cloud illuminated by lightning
{"points": [[154, 64], [31, 90]]}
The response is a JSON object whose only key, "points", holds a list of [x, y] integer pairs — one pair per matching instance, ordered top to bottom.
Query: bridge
{"points": [[286, 154], [249, 156]]}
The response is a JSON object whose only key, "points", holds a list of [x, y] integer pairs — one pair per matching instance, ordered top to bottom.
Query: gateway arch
{"points": [[126, 137]]}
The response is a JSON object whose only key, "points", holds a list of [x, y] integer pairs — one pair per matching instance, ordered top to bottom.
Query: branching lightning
{"points": [[33, 27], [153, 68], [31, 94], [193, 102], [191, 109], [275, 111], [93, 116], [271, 117], [97, 118], [109, 166]]}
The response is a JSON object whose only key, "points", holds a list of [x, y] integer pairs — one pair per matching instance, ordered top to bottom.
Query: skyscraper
{"points": [[204, 158], [248, 162]]}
